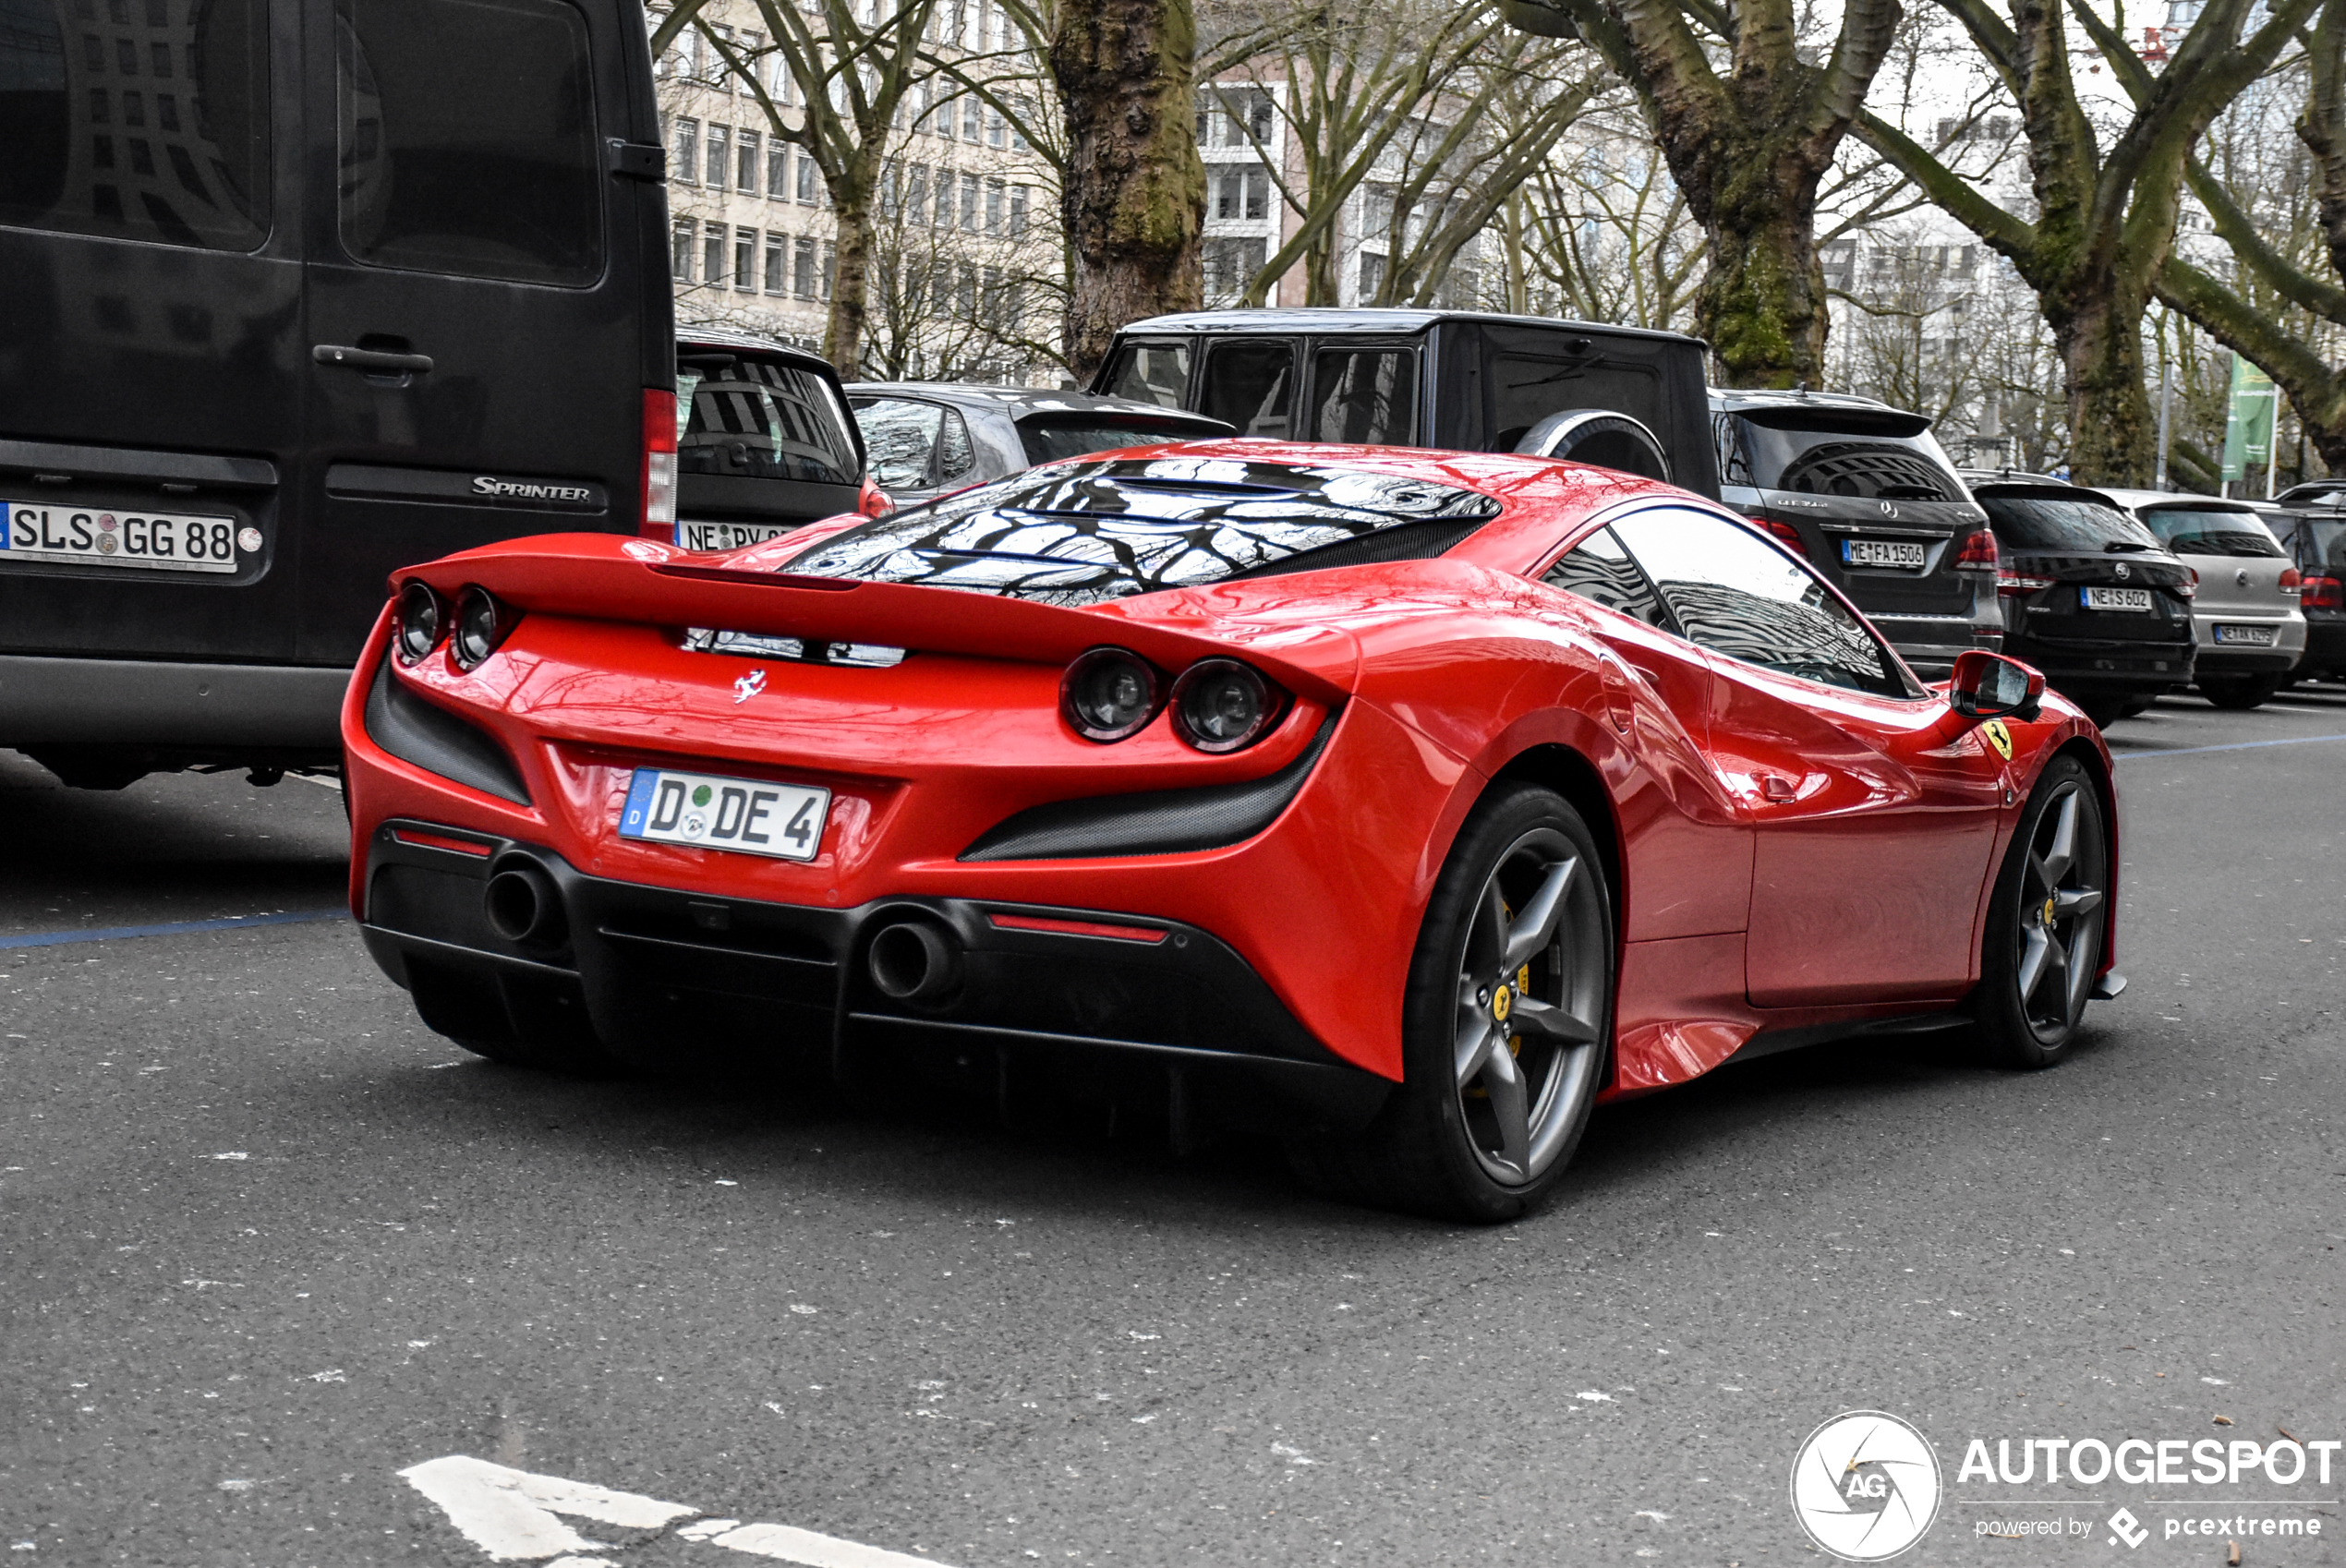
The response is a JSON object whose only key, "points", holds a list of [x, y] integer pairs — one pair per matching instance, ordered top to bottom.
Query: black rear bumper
{"points": [[2107, 665], [1135, 1009]]}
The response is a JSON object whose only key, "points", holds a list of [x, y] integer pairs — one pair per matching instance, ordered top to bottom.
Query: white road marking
{"points": [[509, 1513], [786, 1544]]}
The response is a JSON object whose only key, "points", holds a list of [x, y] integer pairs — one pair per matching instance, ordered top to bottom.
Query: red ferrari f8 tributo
{"points": [[1405, 804]]}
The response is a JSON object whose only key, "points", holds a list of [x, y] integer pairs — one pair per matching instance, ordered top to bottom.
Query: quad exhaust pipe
{"points": [[525, 907], [914, 961]]}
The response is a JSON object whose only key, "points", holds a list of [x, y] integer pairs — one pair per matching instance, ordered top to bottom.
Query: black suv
{"points": [[299, 292], [764, 441], [1862, 491], [2311, 525], [2091, 597]]}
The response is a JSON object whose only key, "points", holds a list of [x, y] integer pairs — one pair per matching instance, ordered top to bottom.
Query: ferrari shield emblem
{"points": [[1998, 737]]}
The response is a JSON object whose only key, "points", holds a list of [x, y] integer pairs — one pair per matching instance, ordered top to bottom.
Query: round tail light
{"points": [[422, 619], [482, 622], [1109, 694], [1220, 704]]}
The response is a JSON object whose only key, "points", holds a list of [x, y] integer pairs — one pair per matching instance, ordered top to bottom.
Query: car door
{"points": [[484, 309], [917, 448], [1873, 809]]}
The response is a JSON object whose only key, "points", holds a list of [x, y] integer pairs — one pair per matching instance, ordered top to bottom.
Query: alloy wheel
{"points": [[2063, 888]]}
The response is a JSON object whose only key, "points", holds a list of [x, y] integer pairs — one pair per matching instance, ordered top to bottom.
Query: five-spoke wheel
{"points": [[2044, 942]]}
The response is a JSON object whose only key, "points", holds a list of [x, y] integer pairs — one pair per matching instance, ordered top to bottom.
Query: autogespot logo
{"points": [[1865, 1486]]}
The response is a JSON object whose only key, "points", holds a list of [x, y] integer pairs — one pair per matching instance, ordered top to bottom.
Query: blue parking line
{"points": [[2235, 746], [176, 928]]}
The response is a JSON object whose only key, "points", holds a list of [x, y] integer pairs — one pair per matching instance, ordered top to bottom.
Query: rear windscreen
{"points": [[1527, 387], [761, 420], [1053, 439], [1777, 455], [2065, 524], [2191, 530], [1080, 533], [2322, 542]]}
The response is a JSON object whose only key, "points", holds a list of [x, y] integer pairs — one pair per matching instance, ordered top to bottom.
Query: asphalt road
{"points": [[265, 1242]]}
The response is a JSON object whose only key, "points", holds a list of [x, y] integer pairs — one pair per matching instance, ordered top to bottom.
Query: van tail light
{"points": [[659, 466], [871, 500], [1778, 528], [1978, 553], [2291, 579], [2324, 593]]}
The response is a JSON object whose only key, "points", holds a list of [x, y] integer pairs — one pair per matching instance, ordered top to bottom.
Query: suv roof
{"points": [[1379, 319], [725, 337], [1020, 401], [2012, 481]]}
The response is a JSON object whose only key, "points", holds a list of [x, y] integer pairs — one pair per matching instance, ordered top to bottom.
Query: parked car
{"points": [[266, 344], [1619, 397], [927, 437], [764, 441], [1864, 492], [2310, 523], [2090, 596], [2249, 629], [1404, 804]]}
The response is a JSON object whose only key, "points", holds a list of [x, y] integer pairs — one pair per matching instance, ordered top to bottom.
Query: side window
{"points": [[148, 122], [454, 162], [1152, 372], [1251, 385], [1365, 394], [899, 436], [956, 453], [1733, 469], [1599, 569], [1736, 594]]}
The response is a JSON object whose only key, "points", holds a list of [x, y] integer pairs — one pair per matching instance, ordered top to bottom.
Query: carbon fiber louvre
{"points": [[1083, 533], [1158, 822]]}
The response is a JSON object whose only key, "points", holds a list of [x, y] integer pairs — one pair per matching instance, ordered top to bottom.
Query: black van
{"points": [[297, 292]]}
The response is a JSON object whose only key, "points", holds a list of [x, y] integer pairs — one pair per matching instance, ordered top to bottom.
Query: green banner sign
{"points": [[2248, 426]]}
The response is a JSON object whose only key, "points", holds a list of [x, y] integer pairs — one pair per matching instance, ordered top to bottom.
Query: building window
{"points": [[970, 110], [945, 119], [997, 130], [718, 149], [687, 159], [745, 163], [777, 170], [808, 176], [1241, 191], [994, 192], [916, 194], [945, 198], [969, 204], [1018, 210], [680, 250], [712, 256], [745, 260], [776, 263], [1230, 265], [830, 266], [803, 273], [1371, 276], [965, 296]]}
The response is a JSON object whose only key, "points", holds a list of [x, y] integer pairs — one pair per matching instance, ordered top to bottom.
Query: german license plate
{"points": [[95, 536], [725, 536], [1881, 552], [2116, 598], [2249, 636], [707, 811]]}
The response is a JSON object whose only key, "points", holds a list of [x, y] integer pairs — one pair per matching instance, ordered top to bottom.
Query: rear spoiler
{"points": [[609, 577]]}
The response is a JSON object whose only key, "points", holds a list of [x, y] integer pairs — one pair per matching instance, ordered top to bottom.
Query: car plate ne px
{"points": [[95, 536], [725, 536], [1881, 552], [2115, 598], [2249, 636], [706, 811]]}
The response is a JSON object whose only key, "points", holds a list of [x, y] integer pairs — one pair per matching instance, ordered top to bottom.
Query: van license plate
{"points": [[93, 536], [725, 536], [1881, 552], [2116, 598], [2249, 636], [705, 811]]}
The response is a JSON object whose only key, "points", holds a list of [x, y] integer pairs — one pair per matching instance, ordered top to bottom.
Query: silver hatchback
{"points": [[2246, 619]]}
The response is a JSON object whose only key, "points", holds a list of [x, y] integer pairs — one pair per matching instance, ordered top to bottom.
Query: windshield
{"points": [[760, 419], [1056, 439], [1840, 462], [2064, 524], [2192, 530], [1079, 534]]}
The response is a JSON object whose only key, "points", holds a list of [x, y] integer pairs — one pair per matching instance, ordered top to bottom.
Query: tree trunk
{"points": [[1134, 196], [851, 273], [1761, 305], [2114, 431]]}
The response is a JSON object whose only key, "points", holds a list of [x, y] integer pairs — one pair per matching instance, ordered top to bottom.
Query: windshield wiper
{"points": [[2115, 546]]}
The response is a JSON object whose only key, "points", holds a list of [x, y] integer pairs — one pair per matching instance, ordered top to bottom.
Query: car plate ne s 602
{"points": [[1882, 552], [2115, 598], [2249, 636], [707, 811]]}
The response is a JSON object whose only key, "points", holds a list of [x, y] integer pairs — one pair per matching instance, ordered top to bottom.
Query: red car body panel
{"points": [[1792, 855]]}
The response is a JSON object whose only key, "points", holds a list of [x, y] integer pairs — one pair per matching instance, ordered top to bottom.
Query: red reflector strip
{"points": [[440, 841], [1075, 927]]}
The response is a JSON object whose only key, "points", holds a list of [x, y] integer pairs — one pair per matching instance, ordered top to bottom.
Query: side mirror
{"points": [[1992, 686]]}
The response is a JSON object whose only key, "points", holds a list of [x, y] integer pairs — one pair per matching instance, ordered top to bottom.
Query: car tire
{"points": [[2240, 693], [2104, 711], [2046, 923], [1484, 1121]]}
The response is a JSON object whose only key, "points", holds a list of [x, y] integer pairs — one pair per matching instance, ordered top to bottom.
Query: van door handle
{"points": [[373, 359]]}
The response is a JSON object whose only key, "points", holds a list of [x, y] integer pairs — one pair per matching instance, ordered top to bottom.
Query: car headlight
{"points": [[421, 619], [482, 622], [1108, 693], [1220, 704]]}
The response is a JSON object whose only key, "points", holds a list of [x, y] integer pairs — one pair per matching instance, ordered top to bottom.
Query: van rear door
{"points": [[484, 308]]}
